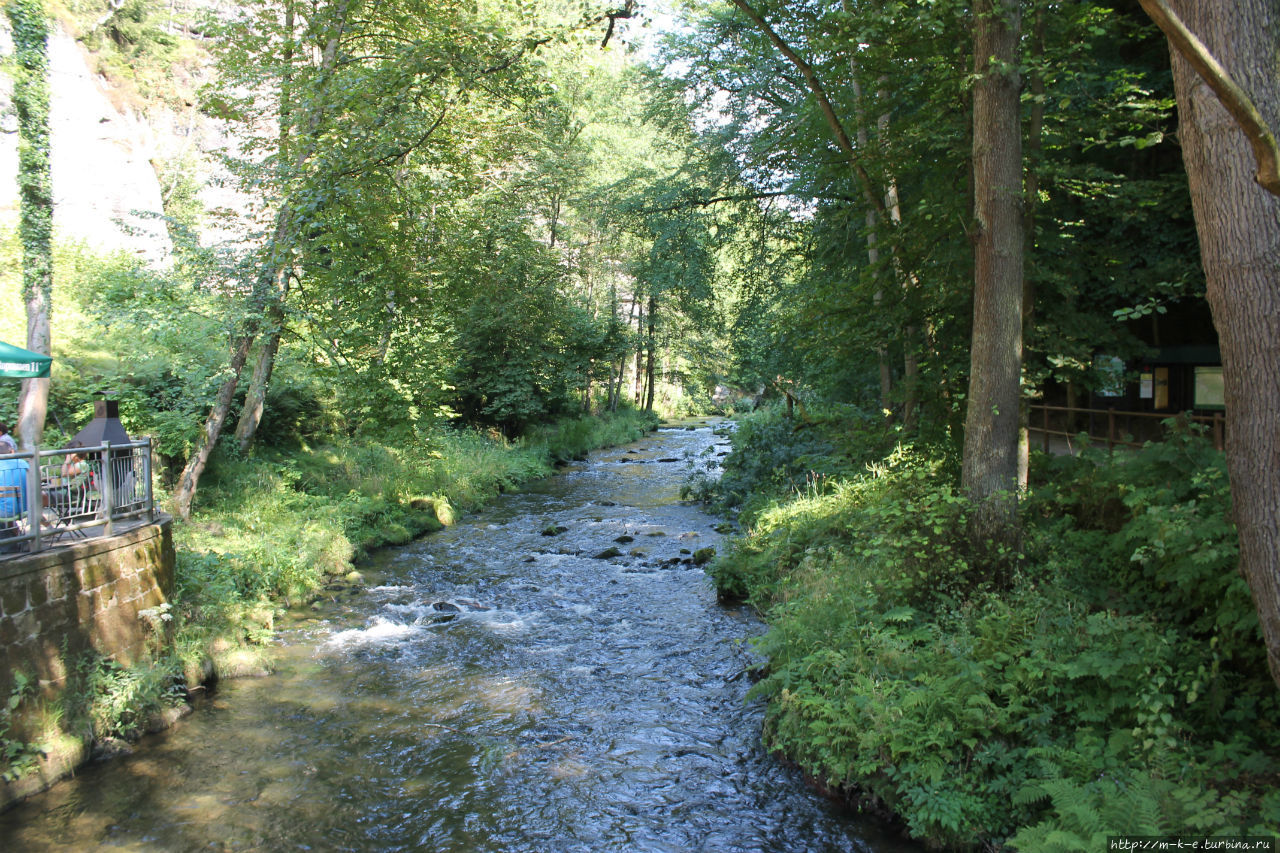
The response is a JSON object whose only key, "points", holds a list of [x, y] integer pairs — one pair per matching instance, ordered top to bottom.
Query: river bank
{"points": [[277, 532], [551, 672], [1107, 680]]}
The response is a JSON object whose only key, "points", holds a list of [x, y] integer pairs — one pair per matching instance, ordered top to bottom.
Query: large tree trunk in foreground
{"points": [[1239, 227], [255, 397], [990, 465]]}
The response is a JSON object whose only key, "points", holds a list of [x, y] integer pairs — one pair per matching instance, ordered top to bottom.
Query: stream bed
{"points": [[508, 684]]}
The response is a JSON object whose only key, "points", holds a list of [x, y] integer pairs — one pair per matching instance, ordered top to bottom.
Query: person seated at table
{"points": [[75, 470], [76, 478], [13, 497]]}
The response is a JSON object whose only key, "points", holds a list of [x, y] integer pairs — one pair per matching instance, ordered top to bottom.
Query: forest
{"points": [[458, 242]]}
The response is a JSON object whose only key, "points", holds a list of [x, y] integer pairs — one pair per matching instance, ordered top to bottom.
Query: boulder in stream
{"points": [[608, 553]]}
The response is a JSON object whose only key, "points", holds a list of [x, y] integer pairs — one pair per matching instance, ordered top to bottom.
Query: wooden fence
{"points": [[1117, 428]]}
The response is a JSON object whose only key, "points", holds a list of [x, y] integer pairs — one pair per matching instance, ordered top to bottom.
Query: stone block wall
{"points": [[57, 604]]}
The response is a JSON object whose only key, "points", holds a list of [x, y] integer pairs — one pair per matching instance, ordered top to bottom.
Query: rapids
{"points": [[500, 686]]}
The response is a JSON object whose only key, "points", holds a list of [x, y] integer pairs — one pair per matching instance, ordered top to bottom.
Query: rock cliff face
{"points": [[106, 193]]}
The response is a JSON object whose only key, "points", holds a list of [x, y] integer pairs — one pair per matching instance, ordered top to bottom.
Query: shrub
{"points": [[775, 456], [901, 523], [1113, 683]]}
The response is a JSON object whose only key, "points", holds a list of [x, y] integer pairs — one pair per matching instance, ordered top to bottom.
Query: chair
{"points": [[83, 503], [11, 515]]}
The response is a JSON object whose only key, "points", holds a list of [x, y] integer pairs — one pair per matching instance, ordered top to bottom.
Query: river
{"points": [[504, 685]]}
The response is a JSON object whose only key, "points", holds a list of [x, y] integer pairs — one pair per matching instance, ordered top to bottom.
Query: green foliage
{"points": [[30, 25], [835, 295], [144, 338], [507, 376], [571, 438], [776, 456], [902, 521], [1172, 546], [1112, 684], [117, 701], [17, 756], [1157, 800]]}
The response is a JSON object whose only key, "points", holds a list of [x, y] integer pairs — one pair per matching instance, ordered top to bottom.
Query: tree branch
{"points": [[628, 10], [1235, 99], [824, 102]]}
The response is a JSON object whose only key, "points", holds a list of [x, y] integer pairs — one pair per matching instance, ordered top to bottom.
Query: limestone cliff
{"points": [[116, 154], [105, 188]]}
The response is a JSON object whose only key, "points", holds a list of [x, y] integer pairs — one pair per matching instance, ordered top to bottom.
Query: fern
{"points": [[1138, 803]]}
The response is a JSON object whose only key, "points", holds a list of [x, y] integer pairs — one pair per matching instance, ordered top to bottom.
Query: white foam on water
{"points": [[411, 612], [504, 621], [379, 631]]}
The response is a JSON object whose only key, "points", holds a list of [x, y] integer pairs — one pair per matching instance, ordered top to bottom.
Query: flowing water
{"points": [[497, 689]]}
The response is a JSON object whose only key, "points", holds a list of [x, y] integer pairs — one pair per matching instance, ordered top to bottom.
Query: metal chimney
{"points": [[104, 427]]}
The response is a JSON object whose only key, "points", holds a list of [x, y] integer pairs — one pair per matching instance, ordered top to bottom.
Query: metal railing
{"points": [[1116, 427], [47, 497]]}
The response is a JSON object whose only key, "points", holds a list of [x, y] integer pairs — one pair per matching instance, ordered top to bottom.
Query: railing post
{"points": [[1045, 411], [1111, 427], [1219, 440], [146, 479], [108, 491], [35, 498]]}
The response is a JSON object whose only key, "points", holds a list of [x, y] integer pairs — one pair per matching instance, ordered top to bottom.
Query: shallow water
{"points": [[497, 689]]}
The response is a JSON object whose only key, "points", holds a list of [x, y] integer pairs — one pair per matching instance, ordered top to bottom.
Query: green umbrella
{"points": [[18, 363]]}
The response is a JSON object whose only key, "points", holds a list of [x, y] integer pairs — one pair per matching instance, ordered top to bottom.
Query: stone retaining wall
{"points": [[59, 603]]}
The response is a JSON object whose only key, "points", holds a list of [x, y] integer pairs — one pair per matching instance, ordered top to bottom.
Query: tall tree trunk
{"points": [[1035, 148], [35, 227], [1239, 227], [873, 257], [277, 259], [910, 332], [652, 347], [639, 383], [616, 390], [255, 397], [990, 464], [190, 477]]}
